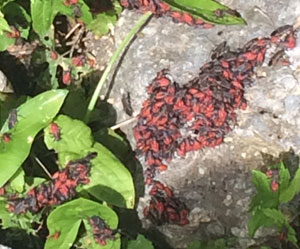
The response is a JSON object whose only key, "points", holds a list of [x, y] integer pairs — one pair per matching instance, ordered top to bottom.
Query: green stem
{"points": [[113, 59]]}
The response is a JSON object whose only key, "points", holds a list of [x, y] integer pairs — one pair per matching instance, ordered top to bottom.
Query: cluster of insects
{"points": [[160, 8], [77, 61], [175, 120], [274, 176], [60, 188], [164, 207], [101, 231]]}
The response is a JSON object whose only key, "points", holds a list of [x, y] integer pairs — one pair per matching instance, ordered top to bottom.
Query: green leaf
{"points": [[4, 2], [117, 7], [205, 9], [43, 13], [85, 14], [16, 15], [103, 22], [3, 24], [48, 40], [5, 42], [52, 68], [75, 98], [8, 105], [33, 116], [75, 136], [114, 142], [284, 177], [110, 181], [260, 181], [17, 182], [31, 182], [288, 193], [265, 198], [5, 216], [276, 216], [67, 218], [10, 220], [257, 220], [292, 236], [140, 243], [217, 244], [195, 245]]}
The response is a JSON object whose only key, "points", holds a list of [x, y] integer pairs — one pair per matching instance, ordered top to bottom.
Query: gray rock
{"points": [[5, 85], [270, 124], [4, 247]]}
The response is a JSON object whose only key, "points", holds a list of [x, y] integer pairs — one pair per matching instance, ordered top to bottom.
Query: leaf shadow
{"points": [[123, 151], [107, 194]]}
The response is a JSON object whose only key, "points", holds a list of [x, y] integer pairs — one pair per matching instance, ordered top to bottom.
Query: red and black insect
{"points": [[70, 2], [161, 8], [77, 11], [222, 12], [15, 33], [53, 55], [276, 58], [78, 61], [91, 62], [67, 77], [126, 102], [12, 118], [55, 131], [6, 137], [273, 174], [61, 188], [2, 191], [164, 207], [101, 231], [283, 235], [55, 236]]}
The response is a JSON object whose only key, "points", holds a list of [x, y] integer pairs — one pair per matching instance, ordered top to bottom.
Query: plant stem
{"points": [[113, 59], [125, 122], [43, 167]]}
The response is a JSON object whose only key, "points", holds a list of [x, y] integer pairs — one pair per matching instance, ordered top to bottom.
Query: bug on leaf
{"points": [[70, 2], [15, 33], [53, 55], [78, 61], [67, 77], [12, 118], [55, 131], [6, 137], [274, 185], [2, 191], [55, 236]]}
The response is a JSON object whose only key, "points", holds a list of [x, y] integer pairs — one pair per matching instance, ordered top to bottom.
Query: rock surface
{"points": [[216, 183], [4, 247]]}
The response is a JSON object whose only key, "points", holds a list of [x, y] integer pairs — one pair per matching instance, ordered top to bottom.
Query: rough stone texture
{"points": [[5, 85], [215, 183], [4, 247]]}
